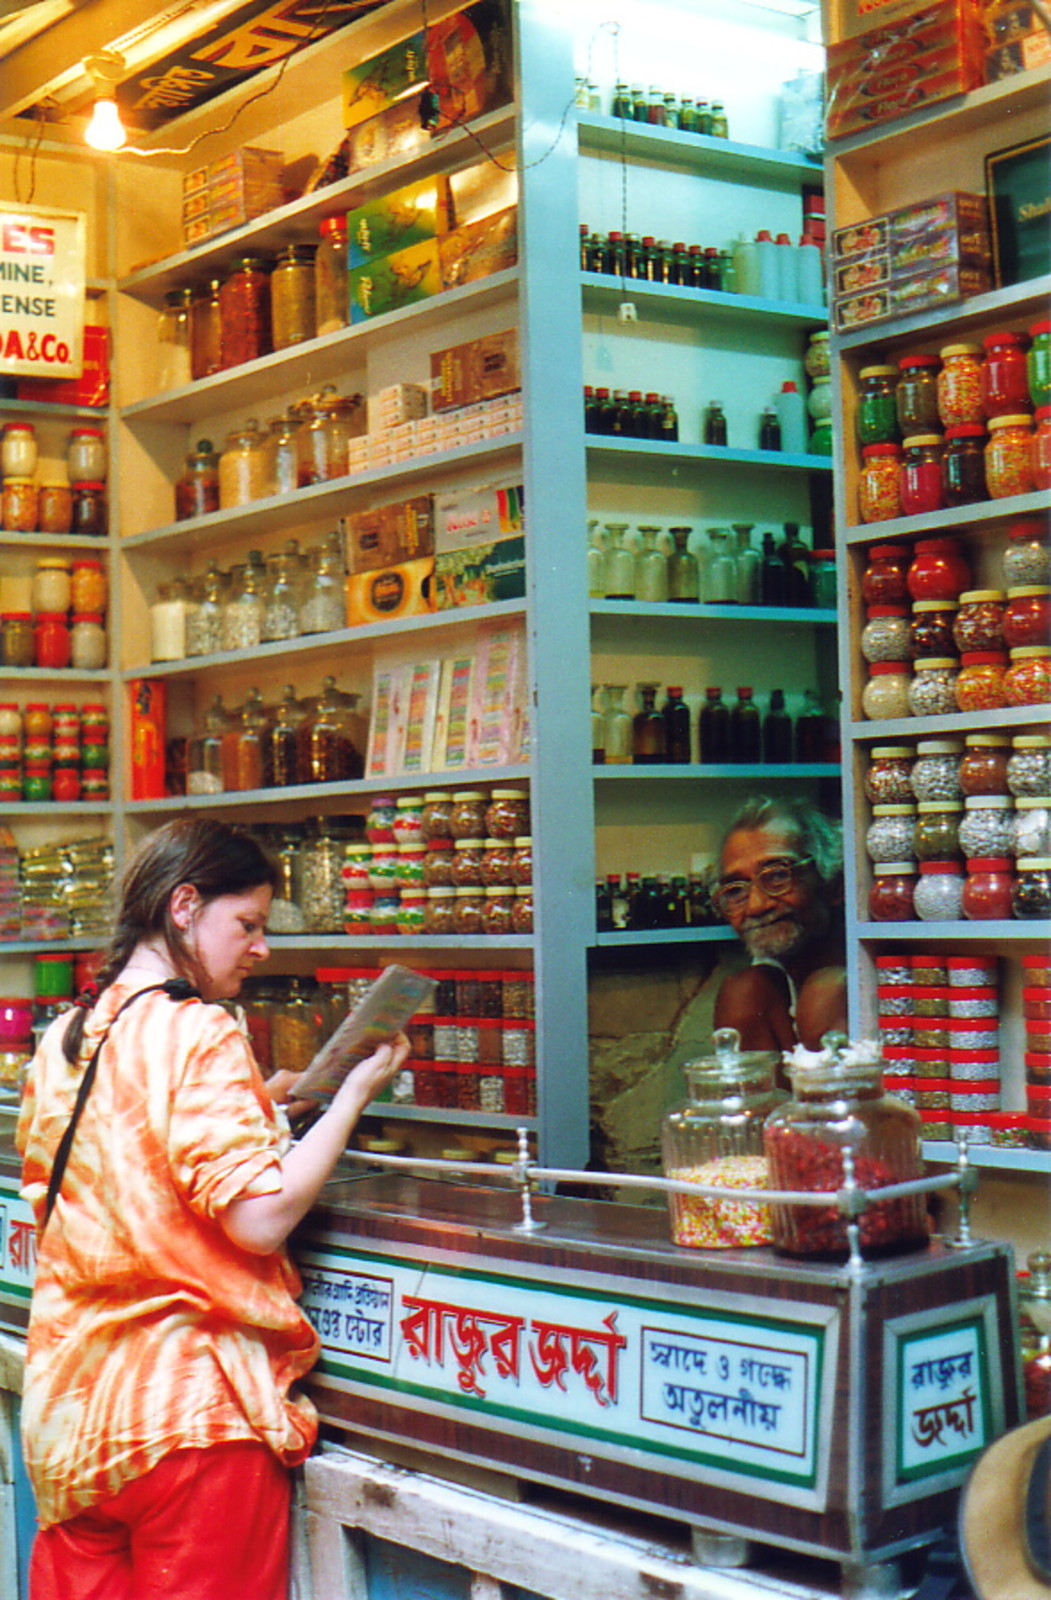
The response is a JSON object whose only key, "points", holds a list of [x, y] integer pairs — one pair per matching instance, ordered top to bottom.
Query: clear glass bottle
{"points": [[330, 276], [293, 310], [206, 331], [174, 367], [282, 451], [243, 466], [197, 486], [596, 561], [651, 567], [683, 571], [722, 572], [621, 577], [281, 594], [324, 605], [204, 624], [242, 624], [619, 727], [648, 731], [281, 742], [328, 753], [246, 766], [204, 773], [839, 1104], [715, 1138]]}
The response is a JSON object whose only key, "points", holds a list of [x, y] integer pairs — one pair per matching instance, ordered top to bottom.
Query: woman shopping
{"points": [[159, 1418]]}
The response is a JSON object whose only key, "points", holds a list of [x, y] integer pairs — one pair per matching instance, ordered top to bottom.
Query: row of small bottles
{"points": [[772, 268], [720, 566], [739, 733], [260, 747], [635, 902]]}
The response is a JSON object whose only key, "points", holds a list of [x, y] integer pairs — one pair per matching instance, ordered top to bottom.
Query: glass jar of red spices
{"points": [[1005, 380], [922, 490], [938, 570], [884, 582], [839, 1104]]}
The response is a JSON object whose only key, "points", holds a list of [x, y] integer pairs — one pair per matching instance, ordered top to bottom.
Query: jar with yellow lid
{"points": [[51, 589]]}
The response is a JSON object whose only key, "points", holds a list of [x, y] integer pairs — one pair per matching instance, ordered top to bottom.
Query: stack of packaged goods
{"points": [[916, 57], [926, 254], [10, 887], [1036, 1010]]}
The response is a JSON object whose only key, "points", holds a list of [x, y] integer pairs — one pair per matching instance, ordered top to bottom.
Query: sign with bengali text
{"points": [[41, 292], [17, 1243], [727, 1394], [944, 1408]]}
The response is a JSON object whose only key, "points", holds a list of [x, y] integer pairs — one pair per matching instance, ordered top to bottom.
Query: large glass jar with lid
{"points": [[332, 298], [244, 303], [293, 313], [206, 331], [174, 366], [876, 417], [329, 421], [282, 447], [18, 450], [86, 455], [243, 466], [197, 486], [1027, 555], [52, 585], [281, 594], [323, 606], [168, 622], [204, 624], [242, 626], [281, 741], [328, 753], [1029, 764], [244, 769], [204, 773], [324, 853], [286, 908], [296, 1024], [839, 1105], [715, 1138], [1034, 1329]]}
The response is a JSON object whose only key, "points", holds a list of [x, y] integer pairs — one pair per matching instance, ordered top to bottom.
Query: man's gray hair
{"points": [[820, 837]]}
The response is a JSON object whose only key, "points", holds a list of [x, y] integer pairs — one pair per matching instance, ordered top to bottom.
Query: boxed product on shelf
{"points": [[1018, 40], [923, 56], [469, 61], [377, 82], [388, 136], [1017, 183], [226, 193], [390, 222], [946, 230], [476, 249], [392, 282], [934, 288], [479, 369], [90, 389], [398, 403], [464, 518], [386, 535], [479, 544], [386, 593]]}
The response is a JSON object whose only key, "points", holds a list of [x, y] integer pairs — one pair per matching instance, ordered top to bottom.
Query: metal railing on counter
{"points": [[852, 1199]]}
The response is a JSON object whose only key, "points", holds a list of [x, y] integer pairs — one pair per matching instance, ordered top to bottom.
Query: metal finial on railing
{"points": [[528, 1224]]}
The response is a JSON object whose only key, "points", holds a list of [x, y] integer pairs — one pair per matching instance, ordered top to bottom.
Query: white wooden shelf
{"points": [[989, 109], [697, 153], [671, 302], [1014, 305], [41, 409], [638, 455], [983, 516], [635, 611], [885, 728], [730, 771], [342, 795], [981, 932], [624, 939], [986, 1155]]}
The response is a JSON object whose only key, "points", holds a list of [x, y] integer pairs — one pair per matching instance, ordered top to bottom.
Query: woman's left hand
{"points": [[281, 1087]]}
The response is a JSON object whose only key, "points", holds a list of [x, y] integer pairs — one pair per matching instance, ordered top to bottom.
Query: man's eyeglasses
{"points": [[774, 879]]}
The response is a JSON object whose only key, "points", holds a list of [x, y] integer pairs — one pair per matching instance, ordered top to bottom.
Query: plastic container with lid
{"points": [[244, 308], [293, 308], [1038, 364], [1005, 380], [959, 385], [916, 394], [876, 417], [1040, 448], [18, 450], [86, 456], [1009, 456], [963, 465], [243, 466], [879, 483], [197, 486], [922, 488], [18, 505], [54, 507], [89, 516], [1027, 554], [938, 570], [883, 582], [52, 587], [89, 587], [1027, 615], [979, 620], [885, 636], [51, 640], [88, 641], [980, 680], [1027, 681], [932, 689], [886, 694], [1029, 765], [983, 766], [887, 775], [436, 814], [507, 814], [467, 816], [986, 826], [1030, 826], [890, 834], [987, 889], [939, 891], [890, 895], [1031, 899], [839, 1104], [715, 1138]]}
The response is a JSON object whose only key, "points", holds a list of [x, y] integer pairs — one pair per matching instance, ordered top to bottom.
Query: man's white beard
{"points": [[775, 938]]}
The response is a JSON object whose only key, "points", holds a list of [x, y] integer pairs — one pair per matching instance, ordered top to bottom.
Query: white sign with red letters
{"points": [[41, 292]]}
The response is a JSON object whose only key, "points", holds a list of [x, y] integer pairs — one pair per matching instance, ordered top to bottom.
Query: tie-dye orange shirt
{"points": [[149, 1330]]}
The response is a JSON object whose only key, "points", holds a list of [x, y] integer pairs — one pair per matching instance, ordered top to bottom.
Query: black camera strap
{"points": [[177, 989]]}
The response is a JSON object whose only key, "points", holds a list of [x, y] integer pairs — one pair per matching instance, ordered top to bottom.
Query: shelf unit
{"points": [[895, 164]]}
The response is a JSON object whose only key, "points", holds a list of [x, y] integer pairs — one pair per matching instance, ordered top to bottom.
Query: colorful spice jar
{"points": [[1005, 380], [959, 386], [916, 395], [876, 416], [1008, 456], [963, 464], [879, 482], [922, 490], [18, 505], [55, 508], [89, 509], [1027, 554], [938, 571], [883, 583], [51, 587], [89, 588], [1027, 615], [978, 624], [931, 628], [885, 636], [16, 639], [51, 641], [1028, 678], [980, 680], [932, 688], [1029, 765], [983, 767], [935, 773], [887, 775], [986, 826], [890, 835], [935, 837], [987, 889], [939, 891], [890, 896], [1031, 897]]}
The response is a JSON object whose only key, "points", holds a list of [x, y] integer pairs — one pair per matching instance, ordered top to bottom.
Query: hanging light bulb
{"points": [[105, 131]]}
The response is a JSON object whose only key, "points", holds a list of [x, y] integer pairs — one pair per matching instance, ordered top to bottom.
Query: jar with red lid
{"points": [[1005, 380], [960, 385], [916, 395], [876, 417], [1040, 448], [1008, 456], [963, 464], [879, 483], [922, 490], [18, 505], [1027, 554], [938, 571], [884, 582], [1027, 615], [978, 624], [931, 628], [51, 640], [1028, 678], [980, 680], [886, 694], [983, 767], [65, 784], [379, 823], [890, 897]]}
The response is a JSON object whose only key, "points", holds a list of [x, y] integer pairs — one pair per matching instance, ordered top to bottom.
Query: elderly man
{"points": [[779, 886]]}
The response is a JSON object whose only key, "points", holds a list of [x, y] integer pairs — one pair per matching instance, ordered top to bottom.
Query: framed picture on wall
{"points": [[1018, 183]]}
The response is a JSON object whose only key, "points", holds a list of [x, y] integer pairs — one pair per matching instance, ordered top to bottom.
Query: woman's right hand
{"points": [[366, 1080]]}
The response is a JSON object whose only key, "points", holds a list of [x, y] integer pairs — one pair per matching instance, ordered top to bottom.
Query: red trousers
{"points": [[201, 1525]]}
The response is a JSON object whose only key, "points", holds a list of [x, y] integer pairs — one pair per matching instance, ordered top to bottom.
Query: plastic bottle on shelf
{"points": [[746, 266], [769, 270], [787, 272], [810, 282], [792, 414]]}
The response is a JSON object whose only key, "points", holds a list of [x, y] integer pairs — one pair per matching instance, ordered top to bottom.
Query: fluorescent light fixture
{"points": [[105, 131]]}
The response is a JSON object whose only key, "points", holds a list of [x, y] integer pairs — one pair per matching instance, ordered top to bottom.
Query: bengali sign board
{"points": [[41, 292], [17, 1243], [722, 1393]]}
